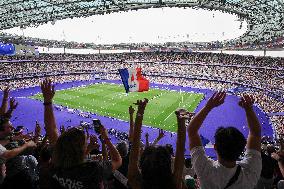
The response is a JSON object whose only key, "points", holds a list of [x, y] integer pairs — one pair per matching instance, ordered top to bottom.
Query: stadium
{"points": [[150, 94]]}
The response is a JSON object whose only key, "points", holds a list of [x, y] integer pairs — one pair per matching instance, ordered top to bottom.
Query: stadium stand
{"points": [[237, 74], [96, 156]]}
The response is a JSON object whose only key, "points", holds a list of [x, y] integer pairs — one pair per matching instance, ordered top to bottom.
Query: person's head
{"points": [[6, 127], [229, 143], [70, 148], [122, 148], [170, 149], [270, 149], [187, 163], [155, 164]]}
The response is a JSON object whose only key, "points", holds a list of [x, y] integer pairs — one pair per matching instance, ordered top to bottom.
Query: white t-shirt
{"points": [[2, 150], [213, 175]]}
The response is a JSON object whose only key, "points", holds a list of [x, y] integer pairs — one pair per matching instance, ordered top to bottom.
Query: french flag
{"points": [[133, 80]]}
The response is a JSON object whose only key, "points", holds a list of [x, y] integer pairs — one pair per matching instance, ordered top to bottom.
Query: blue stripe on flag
{"points": [[124, 74]]}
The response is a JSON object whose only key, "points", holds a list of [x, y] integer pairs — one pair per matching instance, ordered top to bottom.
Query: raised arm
{"points": [[4, 105], [13, 106], [182, 115], [49, 120], [131, 123], [37, 133], [160, 136], [254, 138], [194, 139], [147, 140], [93, 144], [16, 151], [104, 151], [116, 160], [133, 170]]}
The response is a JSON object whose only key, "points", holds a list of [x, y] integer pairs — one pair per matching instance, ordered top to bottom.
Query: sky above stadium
{"points": [[150, 25]]}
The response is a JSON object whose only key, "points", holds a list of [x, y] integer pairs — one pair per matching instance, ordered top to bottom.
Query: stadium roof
{"points": [[264, 17]]}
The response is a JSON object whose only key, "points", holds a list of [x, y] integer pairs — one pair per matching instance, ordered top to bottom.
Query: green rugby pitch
{"points": [[111, 100]]}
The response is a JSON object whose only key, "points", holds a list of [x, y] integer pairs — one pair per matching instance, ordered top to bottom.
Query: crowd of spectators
{"points": [[205, 57], [266, 73], [262, 75], [35, 81], [278, 121], [59, 157]]}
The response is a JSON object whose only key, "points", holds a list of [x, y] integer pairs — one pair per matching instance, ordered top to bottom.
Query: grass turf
{"points": [[112, 101]]}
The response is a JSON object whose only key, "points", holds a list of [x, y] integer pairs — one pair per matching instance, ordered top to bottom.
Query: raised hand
{"points": [[47, 90], [6, 92], [216, 100], [246, 101], [13, 104], [4, 105], [141, 105], [131, 110], [182, 113], [49, 119], [37, 129], [104, 133], [161, 133], [147, 135]]}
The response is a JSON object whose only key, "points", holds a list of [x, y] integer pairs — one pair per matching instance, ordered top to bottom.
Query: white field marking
{"points": [[179, 104], [171, 112], [169, 116]]}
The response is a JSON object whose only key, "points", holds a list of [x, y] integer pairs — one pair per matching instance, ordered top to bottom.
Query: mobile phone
{"points": [[97, 125]]}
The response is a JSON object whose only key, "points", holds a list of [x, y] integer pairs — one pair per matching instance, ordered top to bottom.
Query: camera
{"points": [[97, 125]]}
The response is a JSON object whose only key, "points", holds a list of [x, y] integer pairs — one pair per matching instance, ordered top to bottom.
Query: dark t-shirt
{"points": [[268, 166], [123, 169], [84, 176]]}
